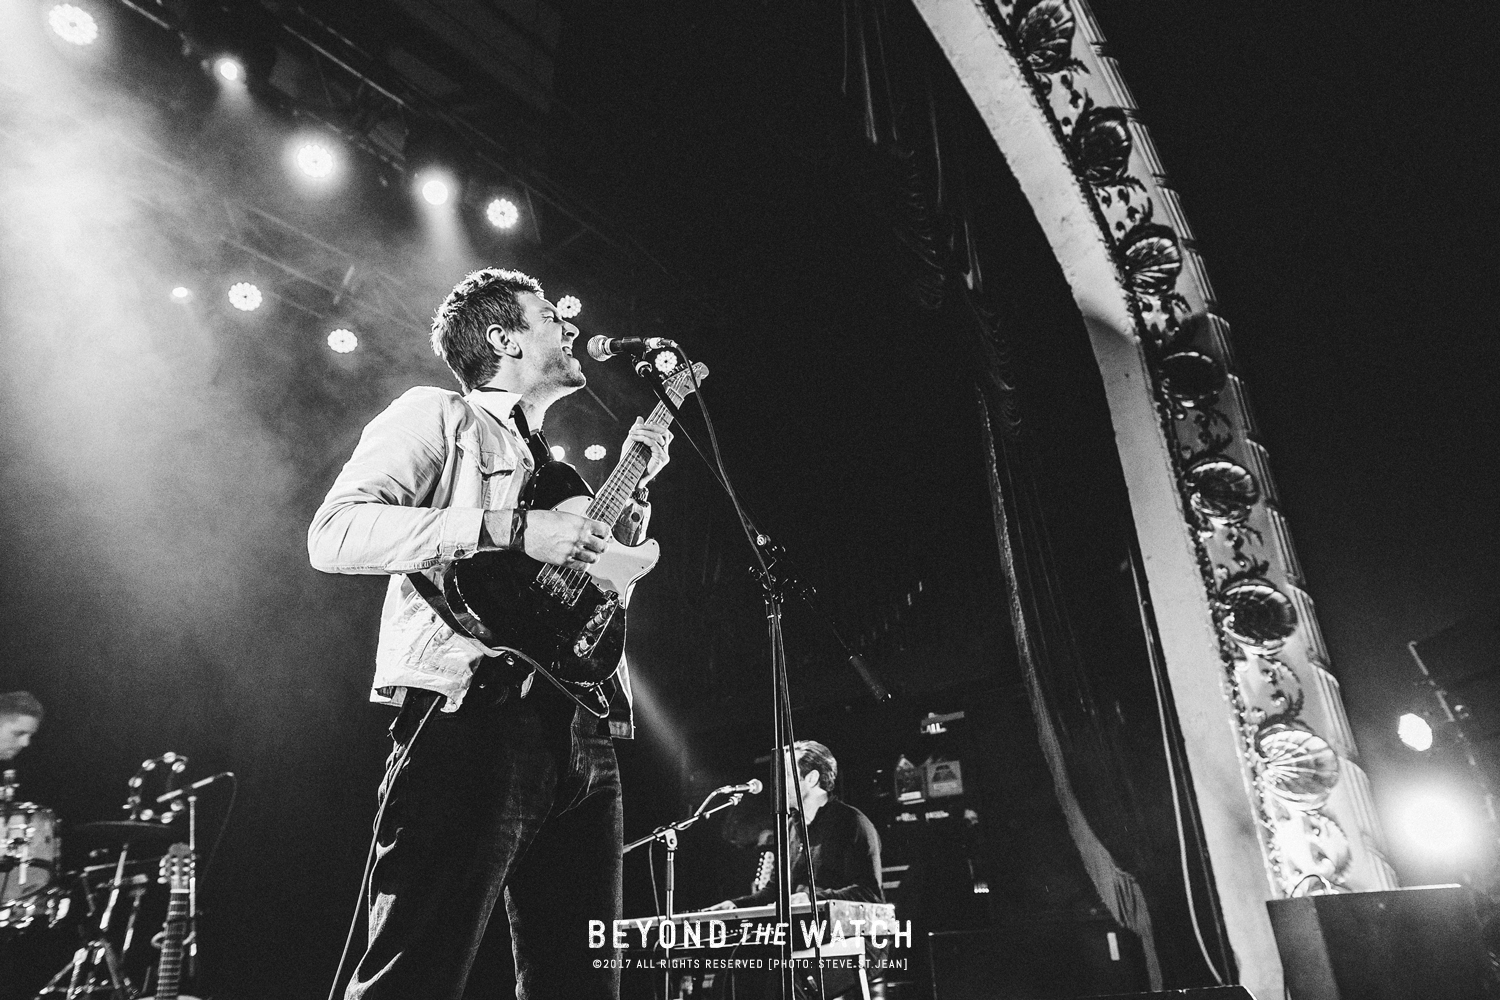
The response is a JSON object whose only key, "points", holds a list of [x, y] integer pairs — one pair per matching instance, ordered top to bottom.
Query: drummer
{"points": [[20, 718]]}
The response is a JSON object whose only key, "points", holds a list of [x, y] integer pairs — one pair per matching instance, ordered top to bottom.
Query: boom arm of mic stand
{"points": [[660, 833]]}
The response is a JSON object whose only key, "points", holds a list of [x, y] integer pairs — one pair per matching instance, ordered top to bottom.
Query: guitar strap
{"points": [[434, 597]]}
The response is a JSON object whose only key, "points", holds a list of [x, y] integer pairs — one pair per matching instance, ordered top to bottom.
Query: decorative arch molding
{"points": [[1285, 809]]}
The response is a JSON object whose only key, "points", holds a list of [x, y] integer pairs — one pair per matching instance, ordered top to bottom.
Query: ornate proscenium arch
{"points": [[1285, 810]]}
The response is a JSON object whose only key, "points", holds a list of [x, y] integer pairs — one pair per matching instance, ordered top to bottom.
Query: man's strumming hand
{"points": [[562, 539]]}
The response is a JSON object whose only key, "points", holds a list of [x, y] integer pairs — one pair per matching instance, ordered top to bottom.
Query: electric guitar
{"points": [[567, 624], [177, 872]]}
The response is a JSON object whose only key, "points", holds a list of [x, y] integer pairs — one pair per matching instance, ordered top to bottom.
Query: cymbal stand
{"points": [[138, 885], [190, 945], [95, 966]]}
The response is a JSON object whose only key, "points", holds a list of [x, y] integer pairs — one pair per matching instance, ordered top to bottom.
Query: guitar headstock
{"points": [[678, 380], [177, 867]]}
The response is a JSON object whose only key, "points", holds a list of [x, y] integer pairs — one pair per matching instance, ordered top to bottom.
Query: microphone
{"points": [[602, 348], [194, 786], [752, 787]]}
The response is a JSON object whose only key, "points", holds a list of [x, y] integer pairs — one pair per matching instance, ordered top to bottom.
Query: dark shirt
{"points": [[846, 858]]}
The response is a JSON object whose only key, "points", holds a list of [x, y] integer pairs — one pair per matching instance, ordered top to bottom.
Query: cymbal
{"points": [[126, 832], [112, 865]]}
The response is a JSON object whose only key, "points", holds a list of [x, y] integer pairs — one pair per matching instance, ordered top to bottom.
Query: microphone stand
{"points": [[777, 580], [668, 835]]}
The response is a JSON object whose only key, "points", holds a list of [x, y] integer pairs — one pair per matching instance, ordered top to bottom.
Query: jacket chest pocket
{"points": [[488, 472]]}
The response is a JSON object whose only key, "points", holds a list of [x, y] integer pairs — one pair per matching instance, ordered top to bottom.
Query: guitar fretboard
{"points": [[612, 497], [607, 506], [169, 967]]}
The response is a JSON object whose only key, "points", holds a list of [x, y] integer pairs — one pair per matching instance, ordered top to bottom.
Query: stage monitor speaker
{"points": [[1407, 944], [1053, 960]]}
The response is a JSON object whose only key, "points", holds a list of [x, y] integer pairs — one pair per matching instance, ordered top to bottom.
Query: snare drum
{"points": [[29, 850], [46, 908]]}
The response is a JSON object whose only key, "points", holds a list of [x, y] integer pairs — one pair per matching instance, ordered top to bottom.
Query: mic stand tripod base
{"points": [[82, 974]]}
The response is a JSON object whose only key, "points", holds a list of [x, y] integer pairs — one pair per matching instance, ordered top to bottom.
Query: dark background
{"points": [[160, 463]]}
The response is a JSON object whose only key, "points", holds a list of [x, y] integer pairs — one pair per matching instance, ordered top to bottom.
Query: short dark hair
{"points": [[484, 298], [20, 703], [814, 756]]}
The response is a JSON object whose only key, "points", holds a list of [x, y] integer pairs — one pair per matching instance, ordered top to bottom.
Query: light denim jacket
{"points": [[412, 498]]}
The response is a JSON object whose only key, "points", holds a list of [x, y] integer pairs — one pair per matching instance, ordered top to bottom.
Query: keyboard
{"points": [[753, 924]]}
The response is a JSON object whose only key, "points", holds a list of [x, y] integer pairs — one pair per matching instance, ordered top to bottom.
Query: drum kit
{"points": [[103, 898]]}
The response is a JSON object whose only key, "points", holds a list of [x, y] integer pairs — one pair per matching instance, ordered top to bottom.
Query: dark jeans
{"points": [[520, 797]]}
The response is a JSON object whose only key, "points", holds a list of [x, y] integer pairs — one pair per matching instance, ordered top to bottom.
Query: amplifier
{"points": [[1406, 944], [1053, 960]]}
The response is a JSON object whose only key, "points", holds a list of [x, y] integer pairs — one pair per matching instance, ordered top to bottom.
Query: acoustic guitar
{"points": [[177, 872]]}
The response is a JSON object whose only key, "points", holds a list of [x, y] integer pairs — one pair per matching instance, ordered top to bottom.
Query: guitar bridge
{"points": [[553, 585], [593, 629]]}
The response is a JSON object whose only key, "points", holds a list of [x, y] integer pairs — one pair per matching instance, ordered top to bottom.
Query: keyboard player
{"points": [[845, 845]]}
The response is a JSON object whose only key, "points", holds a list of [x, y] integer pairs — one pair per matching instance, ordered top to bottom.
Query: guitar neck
{"points": [[617, 489], [169, 967]]}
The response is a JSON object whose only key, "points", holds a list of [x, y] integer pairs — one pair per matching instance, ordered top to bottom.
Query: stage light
{"points": [[73, 24], [229, 68], [315, 160], [435, 191], [502, 213], [181, 293], [244, 296], [568, 306], [343, 341], [559, 452], [594, 452], [1414, 731], [1436, 822]]}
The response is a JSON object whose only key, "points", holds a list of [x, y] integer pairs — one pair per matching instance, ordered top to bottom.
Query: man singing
{"points": [[511, 790], [845, 862]]}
